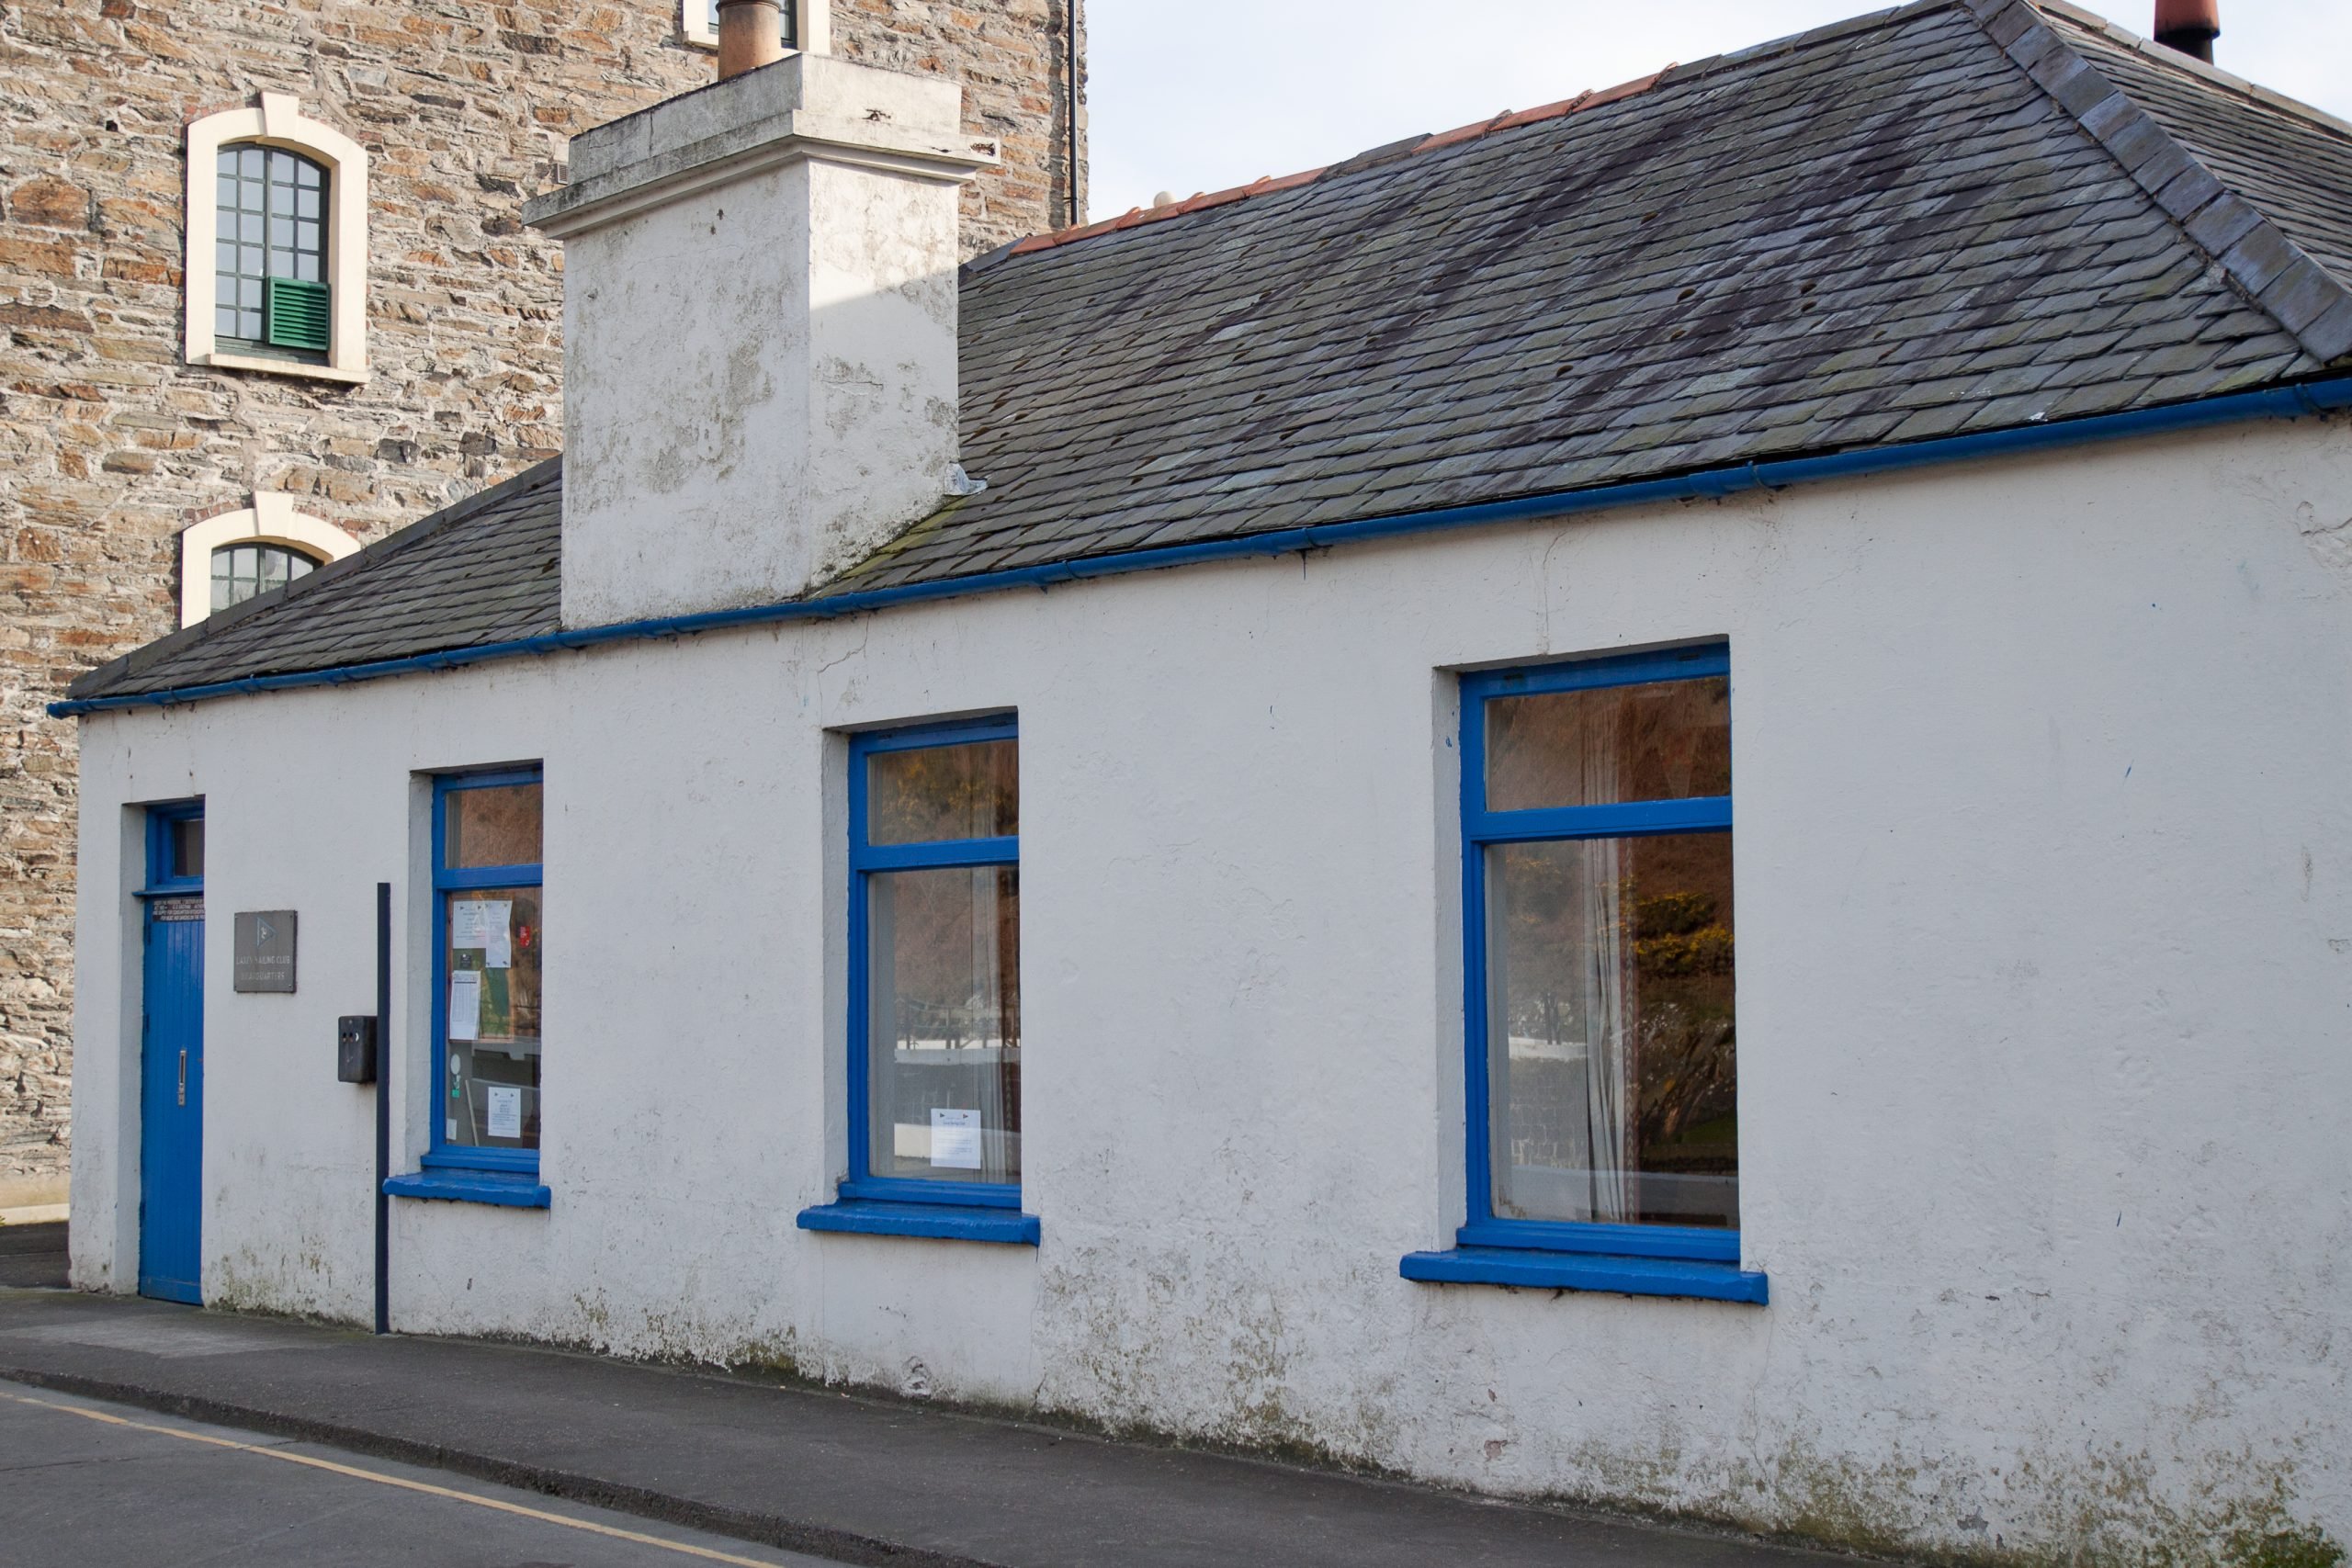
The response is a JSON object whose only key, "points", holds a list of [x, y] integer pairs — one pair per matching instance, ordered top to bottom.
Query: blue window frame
{"points": [[176, 848], [489, 942], [933, 1026], [1602, 1089]]}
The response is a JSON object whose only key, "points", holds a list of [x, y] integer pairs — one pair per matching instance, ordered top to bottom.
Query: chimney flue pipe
{"points": [[2189, 26], [751, 34]]}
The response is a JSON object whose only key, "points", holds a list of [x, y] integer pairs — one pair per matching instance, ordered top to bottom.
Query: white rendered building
{"points": [[1156, 828]]}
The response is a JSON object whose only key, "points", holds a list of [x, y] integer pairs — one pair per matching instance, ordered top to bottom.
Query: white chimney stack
{"points": [[759, 327]]}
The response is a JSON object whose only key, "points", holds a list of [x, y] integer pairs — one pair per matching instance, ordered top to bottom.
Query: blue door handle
{"points": [[183, 1077]]}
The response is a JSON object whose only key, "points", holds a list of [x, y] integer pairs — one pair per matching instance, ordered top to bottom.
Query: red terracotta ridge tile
{"points": [[1622, 90], [1544, 111], [1462, 133], [1288, 182], [1267, 184]]}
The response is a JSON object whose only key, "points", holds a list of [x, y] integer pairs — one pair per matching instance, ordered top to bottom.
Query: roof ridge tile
{"points": [[2310, 302]]}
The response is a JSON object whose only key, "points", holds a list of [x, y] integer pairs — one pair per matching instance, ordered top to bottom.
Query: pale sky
{"points": [[1200, 94]]}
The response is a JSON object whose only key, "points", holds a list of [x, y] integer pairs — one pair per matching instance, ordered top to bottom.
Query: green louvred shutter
{"points": [[297, 313]]}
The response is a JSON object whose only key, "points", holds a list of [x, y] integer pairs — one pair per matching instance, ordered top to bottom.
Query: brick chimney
{"points": [[2189, 26], [759, 333]]}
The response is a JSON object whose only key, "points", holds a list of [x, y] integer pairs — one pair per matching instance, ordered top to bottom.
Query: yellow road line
{"points": [[401, 1482]]}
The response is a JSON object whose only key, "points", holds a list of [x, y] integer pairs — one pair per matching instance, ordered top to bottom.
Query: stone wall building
{"points": [[114, 441]]}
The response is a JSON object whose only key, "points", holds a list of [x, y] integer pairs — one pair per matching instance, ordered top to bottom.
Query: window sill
{"points": [[294, 367], [517, 1191], [945, 1222], [1585, 1271]]}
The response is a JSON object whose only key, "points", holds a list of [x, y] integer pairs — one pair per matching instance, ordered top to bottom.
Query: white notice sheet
{"points": [[485, 926], [465, 1005], [505, 1110], [956, 1140]]}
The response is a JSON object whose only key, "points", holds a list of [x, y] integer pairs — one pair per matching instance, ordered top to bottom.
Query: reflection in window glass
{"points": [[272, 223], [244, 571], [1657, 740], [934, 793], [498, 825], [187, 846], [494, 943], [943, 1023], [1611, 1050]]}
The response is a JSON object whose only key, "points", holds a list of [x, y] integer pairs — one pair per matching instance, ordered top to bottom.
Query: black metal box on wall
{"points": [[265, 951], [355, 1049]]}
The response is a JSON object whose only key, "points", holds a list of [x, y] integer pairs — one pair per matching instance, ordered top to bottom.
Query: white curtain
{"points": [[987, 1026], [1610, 1034]]}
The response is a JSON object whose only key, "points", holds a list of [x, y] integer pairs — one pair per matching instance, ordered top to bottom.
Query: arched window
{"points": [[276, 275], [270, 291], [230, 557], [243, 571]]}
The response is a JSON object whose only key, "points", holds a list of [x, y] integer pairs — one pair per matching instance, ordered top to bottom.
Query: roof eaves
{"points": [[2310, 303], [95, 682]]}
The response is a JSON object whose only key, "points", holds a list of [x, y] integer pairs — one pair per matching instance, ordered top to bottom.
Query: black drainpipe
{"points": [[1069, 75], [385, 1057]]}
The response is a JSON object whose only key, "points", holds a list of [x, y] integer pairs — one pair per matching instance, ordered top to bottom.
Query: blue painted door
{"points": [[171, 1096]]}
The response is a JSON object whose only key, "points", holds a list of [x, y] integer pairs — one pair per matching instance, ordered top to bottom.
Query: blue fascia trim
{"points": [[1710, 484], [1692, 661], [1618, 819], [932, 857], [470, 1186], [937, 1194], [942, 1222], [1687, 1242], [1585, 1271]]}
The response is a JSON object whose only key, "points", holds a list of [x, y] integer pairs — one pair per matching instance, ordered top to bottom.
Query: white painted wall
{"points": [[2044, 883]]}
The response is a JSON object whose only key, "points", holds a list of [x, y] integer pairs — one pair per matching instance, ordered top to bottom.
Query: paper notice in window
{"points": [[485, 926], [465, 1005], [505, 1110], [956, 1140]]}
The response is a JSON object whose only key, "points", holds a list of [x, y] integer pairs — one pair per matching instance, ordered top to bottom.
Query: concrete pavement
{"points": [[856, 1479]]}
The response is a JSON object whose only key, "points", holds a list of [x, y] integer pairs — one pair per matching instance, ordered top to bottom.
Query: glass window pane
{"points": [[249, 162], [225, 163], [308, 174], [249, 227], [281, 232], [224, 317], [249, 324], [1659, 741], [934, 793], [495, 826], [188, 846], [490, 971], [943, 1023], [1613, 1090]]}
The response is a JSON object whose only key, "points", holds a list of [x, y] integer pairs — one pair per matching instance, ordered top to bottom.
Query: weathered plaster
{"points": [[2044, 869]]}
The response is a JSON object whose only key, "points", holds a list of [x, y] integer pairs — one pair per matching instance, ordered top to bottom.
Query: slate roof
{"points": [[1955, 217]]}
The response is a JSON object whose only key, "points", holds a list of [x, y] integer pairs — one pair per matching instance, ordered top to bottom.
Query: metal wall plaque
{"points": [[180, 907], [265, 951]]}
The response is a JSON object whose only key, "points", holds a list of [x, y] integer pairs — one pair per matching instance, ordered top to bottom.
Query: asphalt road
{"points": [[85, 1484]]}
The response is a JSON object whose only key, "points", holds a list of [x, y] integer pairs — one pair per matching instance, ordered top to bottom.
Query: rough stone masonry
{"points": [[110, 444]]}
